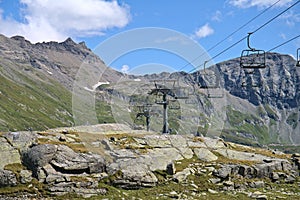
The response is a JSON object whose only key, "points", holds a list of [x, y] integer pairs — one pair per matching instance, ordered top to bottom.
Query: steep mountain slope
{"points": [[37, 81], [274, 99]]}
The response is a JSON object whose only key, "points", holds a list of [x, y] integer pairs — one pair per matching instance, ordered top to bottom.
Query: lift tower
{"points": [[166, 91]]}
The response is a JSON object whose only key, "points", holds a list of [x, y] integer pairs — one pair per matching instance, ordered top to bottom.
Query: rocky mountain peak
{"points": [[69, 41]]}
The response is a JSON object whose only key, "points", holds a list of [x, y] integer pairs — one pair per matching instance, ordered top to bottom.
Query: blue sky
{"points": [[202, 21]]}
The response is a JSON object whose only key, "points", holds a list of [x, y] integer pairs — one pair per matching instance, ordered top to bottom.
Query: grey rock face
{"points": [[278, 93]]}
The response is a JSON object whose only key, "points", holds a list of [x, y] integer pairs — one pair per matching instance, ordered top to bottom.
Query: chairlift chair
{"points": [[252, 58], [298, 58]]}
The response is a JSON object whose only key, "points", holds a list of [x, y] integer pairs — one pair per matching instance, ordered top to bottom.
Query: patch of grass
{"points": [[261, 111], [104, 112], [248, 124], [230, 136], [198, 139], [77, 147], [16, 168], [161, 175], [111, 178], [15, 190]]}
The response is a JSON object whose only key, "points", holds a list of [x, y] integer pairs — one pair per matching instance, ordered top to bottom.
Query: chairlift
{"points": [[252, 58], [298, 58]]}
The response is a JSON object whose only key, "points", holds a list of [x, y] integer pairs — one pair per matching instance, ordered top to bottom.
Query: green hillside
{"points": [[35, 104]]}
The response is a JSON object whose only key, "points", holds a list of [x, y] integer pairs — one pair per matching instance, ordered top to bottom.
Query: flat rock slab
{"points": [[9, 154], [205, 155], [238, 155]]}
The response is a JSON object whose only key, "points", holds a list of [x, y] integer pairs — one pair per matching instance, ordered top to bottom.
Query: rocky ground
{"points": [[113, 162]]}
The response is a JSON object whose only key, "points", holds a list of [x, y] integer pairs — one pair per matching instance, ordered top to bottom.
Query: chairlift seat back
{"points": [[252, 59]]}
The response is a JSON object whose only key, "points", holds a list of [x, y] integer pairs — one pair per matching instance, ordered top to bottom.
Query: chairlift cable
{"points": [[278, 15], [259, 28], [234, 32], [284, 43]]}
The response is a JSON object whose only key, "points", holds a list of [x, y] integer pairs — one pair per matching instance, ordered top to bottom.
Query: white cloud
{"points": [[258, 3], [217, 16], [291, 18], [57, 20], [204, 31], [282, 36], [172, 39], [125, 69]]}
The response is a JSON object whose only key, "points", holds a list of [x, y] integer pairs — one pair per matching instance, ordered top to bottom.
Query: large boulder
{"points": [[38, 156], [62, 159], [68, 161]]}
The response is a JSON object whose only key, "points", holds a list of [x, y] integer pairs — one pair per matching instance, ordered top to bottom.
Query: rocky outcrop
{"points": [[133, 161], [55, 165]]}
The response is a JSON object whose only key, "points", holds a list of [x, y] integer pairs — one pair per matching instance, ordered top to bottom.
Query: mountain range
{"points": [[47, 85]]}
